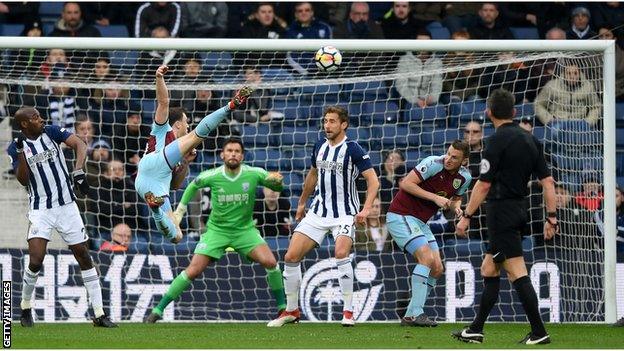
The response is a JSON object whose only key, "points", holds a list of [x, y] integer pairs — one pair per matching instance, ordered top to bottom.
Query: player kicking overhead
{"points": [[166, 149], [336, 163], [40, 166], [436, 182], [233, 195]]}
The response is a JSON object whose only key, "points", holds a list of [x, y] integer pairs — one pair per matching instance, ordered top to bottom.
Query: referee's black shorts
{"points": [[506, 219]]}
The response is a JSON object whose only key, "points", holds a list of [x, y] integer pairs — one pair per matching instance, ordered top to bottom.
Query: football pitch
{"points": [[301, 336]]}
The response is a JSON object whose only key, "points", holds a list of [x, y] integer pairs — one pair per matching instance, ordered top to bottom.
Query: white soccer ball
{"points": [[328, 59]]}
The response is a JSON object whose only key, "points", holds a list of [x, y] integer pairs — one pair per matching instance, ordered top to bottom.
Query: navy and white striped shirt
{"points": [[338, 167], [49, 183]]}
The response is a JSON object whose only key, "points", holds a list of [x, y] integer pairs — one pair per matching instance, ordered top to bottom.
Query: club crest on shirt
{"points": [[456, 183], [245, 186]]}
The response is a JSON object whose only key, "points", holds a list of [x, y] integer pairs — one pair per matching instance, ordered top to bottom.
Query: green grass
{"points": [[303, 335]]}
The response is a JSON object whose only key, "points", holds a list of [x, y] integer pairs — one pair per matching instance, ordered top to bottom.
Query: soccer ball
{"points": [[328, 58]]}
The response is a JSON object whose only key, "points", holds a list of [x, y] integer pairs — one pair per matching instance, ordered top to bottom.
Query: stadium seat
{"points": [[50, 10], [47, 28], [11, 30], [113, 31], [440, 33], [526, 33], [123, 59], [216, 59], [277, 75], [365, 91], [321, 93], [290, 108], [525, 110], [468, 111], [619, 111], [384, 112], [359, 114], [429, 114], [487, 131], [539, 132], [255, 135], [362, 135], [393, 136], [440, 137], [619, 137], [412, 157], [268, 158], [293, 181], [277, 242]]}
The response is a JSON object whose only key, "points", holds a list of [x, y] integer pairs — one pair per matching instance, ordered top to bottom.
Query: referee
{"points": [[510, 157]]}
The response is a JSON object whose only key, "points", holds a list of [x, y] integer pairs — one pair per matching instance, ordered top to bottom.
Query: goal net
{"points": [[405, 103]]}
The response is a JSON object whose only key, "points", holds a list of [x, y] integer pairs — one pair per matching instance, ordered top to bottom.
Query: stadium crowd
{"points": [[114, 122]]}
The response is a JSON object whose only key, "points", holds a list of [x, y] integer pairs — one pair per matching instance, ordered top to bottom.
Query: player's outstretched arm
{"points": [[162, 96], [274, 181], [308, 188], [372, 188], [189, 193]]}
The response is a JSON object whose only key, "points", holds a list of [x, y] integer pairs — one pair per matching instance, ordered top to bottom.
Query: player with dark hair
{"points": [[169, 150], [510, 157], [336, 164], [39, 165], [436, 182], [233, 195]]}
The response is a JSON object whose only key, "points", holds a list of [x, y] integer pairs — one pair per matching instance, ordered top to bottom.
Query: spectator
{"points": [[25, 12], [424, 13], [519, 14], [552, 14], [606, 14], [152, 15], [460, 15], [204, 19], [264, 24], [399, 24], [489, 25], [305, 26], [358, 26], [580, 29], [556, 33], [606, 34], [55, 59], [27, 61], [149, 61], [102, 70], [541, 71], [512, 77], [459, 85], [423, 90], [568, 97], [59, 103], [257, 106], [110, 109], [526, 123], [85, 129], [473, 135], [129, 140], [99, 153], [390, 173], [591, 196], [115, 200], [272, 214], [373, 236], [120, 239]]}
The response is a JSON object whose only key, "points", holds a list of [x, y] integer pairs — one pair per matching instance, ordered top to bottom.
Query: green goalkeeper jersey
{"points": [[232, 198]]}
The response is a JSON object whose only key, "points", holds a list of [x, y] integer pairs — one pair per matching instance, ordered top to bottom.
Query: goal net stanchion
{"points": [[574, 277]]}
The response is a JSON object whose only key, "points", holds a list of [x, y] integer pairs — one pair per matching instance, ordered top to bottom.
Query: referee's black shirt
{"points": [[509, 158]]}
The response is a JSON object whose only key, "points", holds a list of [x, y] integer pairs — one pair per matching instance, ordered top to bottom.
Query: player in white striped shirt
{"points": [[336, 164], [39, 165]]}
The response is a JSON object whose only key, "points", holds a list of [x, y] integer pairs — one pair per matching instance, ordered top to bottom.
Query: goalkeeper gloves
{"points": [[241, 97], [19, 142], [80, 179], [179, 213]]}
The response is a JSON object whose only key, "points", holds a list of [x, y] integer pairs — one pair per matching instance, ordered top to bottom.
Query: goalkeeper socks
{"points": [[210, 122], [164, 223], [274, 278], [345, 278], [30, 279], [292, 280], [91, 282], [431, 283], [491, 286], [177, 287], [419, 290], [527, 295]]}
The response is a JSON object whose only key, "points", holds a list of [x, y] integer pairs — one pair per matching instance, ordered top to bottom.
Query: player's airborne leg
{"points": [[167, 148]]}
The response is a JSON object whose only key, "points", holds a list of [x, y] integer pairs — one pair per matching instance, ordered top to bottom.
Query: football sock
{"points": [[210, 122], [164, 223], [345, 274], [420, 275], [274, 278], [30, 279], [292, 280], [431, 283], [491, 286], [177, 287], [94, 290], [527, 295]]}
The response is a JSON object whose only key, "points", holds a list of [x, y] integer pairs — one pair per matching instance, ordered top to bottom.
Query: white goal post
{"points": [[600, 47]]}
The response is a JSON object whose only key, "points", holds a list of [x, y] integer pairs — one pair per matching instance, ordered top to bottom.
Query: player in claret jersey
{"points": [[169, 150], [436, 182]]}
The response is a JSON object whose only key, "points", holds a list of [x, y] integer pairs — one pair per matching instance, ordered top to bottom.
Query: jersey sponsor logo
{"points": [[42, 157], [331, 166], [484, 166], [456, 183], [245, 186], [226, 199], [320, 291]]}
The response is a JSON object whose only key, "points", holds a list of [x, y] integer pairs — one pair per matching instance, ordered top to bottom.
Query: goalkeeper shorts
{"points": [[214, 242]]}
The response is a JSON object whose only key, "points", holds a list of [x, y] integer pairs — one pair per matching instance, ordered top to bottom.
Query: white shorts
{"points": [[65, 219], [315, 227]]}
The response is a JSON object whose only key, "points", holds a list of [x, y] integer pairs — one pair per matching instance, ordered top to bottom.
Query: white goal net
{"points": [[404, 104]]}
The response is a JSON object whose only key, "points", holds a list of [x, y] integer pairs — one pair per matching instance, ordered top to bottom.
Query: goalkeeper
{"points": [[169, 148], [233, 195]]}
